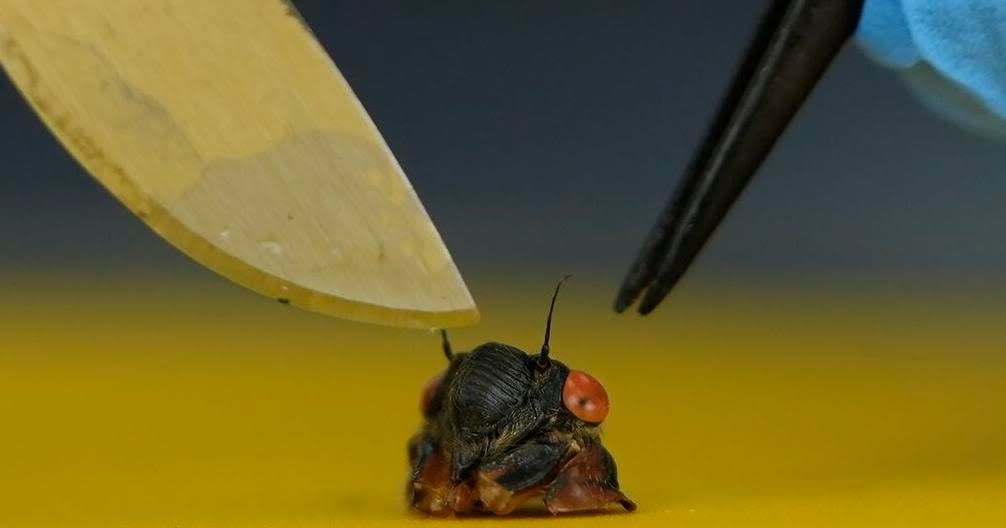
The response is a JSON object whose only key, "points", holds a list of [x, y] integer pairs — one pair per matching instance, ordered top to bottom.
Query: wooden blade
{"points": [[226, 127]]}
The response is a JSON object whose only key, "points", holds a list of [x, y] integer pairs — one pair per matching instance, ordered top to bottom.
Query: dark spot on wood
{"points": [[294, 13], [283, 300]]}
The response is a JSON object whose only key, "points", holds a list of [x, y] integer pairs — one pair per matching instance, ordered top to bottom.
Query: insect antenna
{"points": [[446, 345], [543, 361]]}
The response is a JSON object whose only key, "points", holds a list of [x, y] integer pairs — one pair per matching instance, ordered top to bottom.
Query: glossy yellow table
{"points": [[162, 402]]}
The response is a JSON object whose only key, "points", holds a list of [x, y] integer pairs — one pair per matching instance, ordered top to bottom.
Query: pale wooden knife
{"points": [[225, 126]]}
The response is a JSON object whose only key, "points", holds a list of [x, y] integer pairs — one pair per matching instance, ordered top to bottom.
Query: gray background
{"points": [[543, 138]]}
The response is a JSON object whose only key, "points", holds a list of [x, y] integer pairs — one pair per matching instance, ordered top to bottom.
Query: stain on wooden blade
{"points": [[227, 128]]}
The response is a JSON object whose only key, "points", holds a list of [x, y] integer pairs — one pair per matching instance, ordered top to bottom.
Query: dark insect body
{"points": [[502, 426]]}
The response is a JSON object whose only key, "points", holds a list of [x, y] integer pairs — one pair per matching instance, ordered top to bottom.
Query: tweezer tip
{"points": [[656, 294], [623, 300], [649, 303]]}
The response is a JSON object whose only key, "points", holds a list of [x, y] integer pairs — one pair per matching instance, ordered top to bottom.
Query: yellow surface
{"points": [[225, 126], [163, 403]]}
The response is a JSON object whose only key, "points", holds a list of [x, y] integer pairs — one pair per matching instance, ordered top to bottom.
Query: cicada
{"points": [[501, 427]]}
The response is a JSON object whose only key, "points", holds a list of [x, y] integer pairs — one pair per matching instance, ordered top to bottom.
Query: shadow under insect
{"points": [[502, 426]]}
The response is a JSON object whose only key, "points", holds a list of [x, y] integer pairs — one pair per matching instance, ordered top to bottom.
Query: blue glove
{"points": [[952, 53]]}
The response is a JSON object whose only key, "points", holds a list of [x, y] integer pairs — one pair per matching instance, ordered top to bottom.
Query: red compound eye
{"points": [[429, 391], [584, 396]]}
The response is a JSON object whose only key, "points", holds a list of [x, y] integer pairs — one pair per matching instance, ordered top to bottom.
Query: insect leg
{"points": [[446, 345], [588, 482], [429, 484], [503, 484]]}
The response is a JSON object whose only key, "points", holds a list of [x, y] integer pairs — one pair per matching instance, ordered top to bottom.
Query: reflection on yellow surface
{"points": [[144, 403]]}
